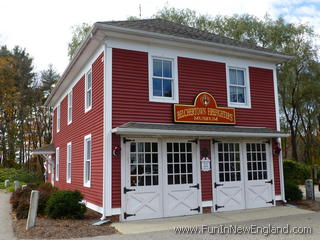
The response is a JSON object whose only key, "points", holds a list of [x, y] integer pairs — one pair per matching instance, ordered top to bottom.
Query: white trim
{"points": [[179, 51], [245, 70], [175, 84], [276, 97], [70, 105], [87, 108], [58, 118], [139, 131], [107, 134], [57, 165], [68, 178], [86, 183], [282, 188], [278, 198], [207, 203], [93, 207], [116, 211]]}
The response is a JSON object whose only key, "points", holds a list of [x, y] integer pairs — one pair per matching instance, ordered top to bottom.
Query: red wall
{"points": [[130, 90], [83, 124], [276, 171], [206, 177]]}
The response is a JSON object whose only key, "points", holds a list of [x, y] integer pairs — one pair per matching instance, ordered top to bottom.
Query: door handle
{"points": [[271, 181], [217, 185], [195, 186], [125, 190]]}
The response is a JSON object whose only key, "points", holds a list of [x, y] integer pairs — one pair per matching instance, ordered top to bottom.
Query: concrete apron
{"points": [[162, 224]]}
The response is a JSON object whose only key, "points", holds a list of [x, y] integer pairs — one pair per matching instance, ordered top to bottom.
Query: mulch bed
{"points": [[307, 204], [47, 228]]}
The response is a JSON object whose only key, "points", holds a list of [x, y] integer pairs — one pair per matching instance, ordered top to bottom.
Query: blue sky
{"points": [[43, 27]]}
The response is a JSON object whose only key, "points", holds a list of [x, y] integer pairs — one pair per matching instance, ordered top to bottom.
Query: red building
{"points": [[154, 119]]}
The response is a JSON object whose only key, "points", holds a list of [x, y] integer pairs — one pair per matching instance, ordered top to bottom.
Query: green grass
{"points": [[11, 186]]}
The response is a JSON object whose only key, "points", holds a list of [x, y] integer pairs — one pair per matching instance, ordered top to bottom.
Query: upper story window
{"points": [[163, 81], [238, 88], [88, 91], [70, 107], [58, 118], [69, 160], [87, 160], [57, 173]]}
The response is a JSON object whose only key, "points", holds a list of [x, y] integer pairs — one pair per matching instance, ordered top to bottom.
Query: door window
{"points": [[257, 161], [229, 162], [179, 163], [144, 168]]}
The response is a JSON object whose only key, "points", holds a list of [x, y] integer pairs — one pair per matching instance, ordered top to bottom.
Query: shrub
{"points": [[295, 173], [45, 192], [292, 192], [20, 199], [66, 204]]}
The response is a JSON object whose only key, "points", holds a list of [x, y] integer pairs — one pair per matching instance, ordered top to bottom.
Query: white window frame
{"points": [[175, 85], [86, 90], [70, 96], [247, 103], [58, 117], [69, 162], [57, 167], [86, 183]]}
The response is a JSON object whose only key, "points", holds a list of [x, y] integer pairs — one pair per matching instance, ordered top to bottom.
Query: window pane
{"points": [[157, 67], [167, 69], [232, 75], [240, 77], [89, 80], [157, 87], [167, 88], [233, 94], [241, 96], [89, 97], [88, 149]]}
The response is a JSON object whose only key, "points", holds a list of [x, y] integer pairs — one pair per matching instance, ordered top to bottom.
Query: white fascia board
{"points": [[278, 57], [133, 131], [39, 153]]}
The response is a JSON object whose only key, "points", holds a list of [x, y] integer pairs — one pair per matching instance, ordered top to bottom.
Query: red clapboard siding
{"points": [[130, 90], [262, 112], [83, 124], [276, 171], [116, 174], [206, 177]]}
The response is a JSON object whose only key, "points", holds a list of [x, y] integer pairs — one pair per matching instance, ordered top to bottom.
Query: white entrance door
{"points": [[259, 184], [228, 187], [143, 188], [181, 195]]}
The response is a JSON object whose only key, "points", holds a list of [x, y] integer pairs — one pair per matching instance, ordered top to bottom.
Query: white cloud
{"points": [[44, 27]]}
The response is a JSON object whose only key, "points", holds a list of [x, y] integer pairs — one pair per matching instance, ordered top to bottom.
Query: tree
{"points": [[79, 33], [295, 40], [48, 79]]}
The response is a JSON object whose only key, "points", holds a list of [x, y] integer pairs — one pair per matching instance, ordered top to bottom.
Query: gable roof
{"points": [[166, 27]]}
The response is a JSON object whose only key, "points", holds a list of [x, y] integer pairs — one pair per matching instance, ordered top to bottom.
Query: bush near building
{"points": [[295, 174], [66, 204]]}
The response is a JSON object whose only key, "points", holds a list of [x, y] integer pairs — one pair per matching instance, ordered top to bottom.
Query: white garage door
{"points": [[242, 178], [161, 180], [228, 187]]}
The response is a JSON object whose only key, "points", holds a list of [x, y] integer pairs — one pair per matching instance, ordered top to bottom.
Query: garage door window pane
{"points": [[257, 161], [229, 162], [143, 164], [181, 171]]}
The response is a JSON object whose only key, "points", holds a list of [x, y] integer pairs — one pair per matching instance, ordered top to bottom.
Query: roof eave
{"points": [[278, 57], [138, 131]]}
